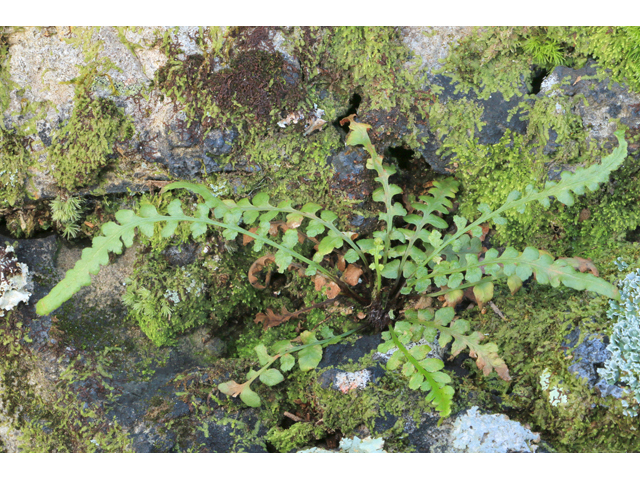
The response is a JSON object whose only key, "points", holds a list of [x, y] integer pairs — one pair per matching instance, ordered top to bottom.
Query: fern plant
{"points": [[413, 253]]}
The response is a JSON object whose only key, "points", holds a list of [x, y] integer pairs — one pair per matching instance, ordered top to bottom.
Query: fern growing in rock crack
{"points": [[377, 273]]}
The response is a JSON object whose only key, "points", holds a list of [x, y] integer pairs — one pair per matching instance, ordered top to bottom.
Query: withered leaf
{"points": [[348, 119], [315, 125], [584, 215], [273, 228], [246, 238], [260, 263], [341, 264], [581, 264], [256, 267], [351, 275], [333, 290], [453, 297], [423, 302], [272, 319], [486, 355], [487, 360], [231, 388]]}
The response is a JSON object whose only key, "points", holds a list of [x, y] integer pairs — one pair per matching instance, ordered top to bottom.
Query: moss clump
{"points": [[617, 49], [505, 59], [368, 60], [5, 76], [256, 87], [455, 123], [555, 140], [14, 143], [87, 143], [14, 161], [593, 224], [165, 300], [530, 341], [51, 418], [294, 438]]}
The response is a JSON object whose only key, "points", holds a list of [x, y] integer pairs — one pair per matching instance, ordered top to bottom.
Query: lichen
{"points": [[14, 280], [624, 364], [557, 396], [476, 433], [353, 445]]}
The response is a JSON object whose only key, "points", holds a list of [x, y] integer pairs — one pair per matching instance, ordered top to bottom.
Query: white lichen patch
{"points": [[550, 84], [14, 280], [436, 351], [624, 364], [346, 381], [557, 395], [477, 433], [353, 445]]}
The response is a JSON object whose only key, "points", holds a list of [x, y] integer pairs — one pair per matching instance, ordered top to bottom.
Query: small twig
{"points": [[497, 310], [293, 417]]}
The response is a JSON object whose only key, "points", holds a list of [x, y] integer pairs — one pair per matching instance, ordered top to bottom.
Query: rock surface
{"points": [[165, 399]]}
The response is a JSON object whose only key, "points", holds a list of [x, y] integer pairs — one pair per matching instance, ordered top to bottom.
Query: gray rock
{"points": [[430, 45], [605, 101], [496, 113], [496, 116], [219, 142], [184, 152], [349, 163], [38, 254], [181, 255], [337, 354], [589, 355], [470, 431], [217, 437], [150, 440]]}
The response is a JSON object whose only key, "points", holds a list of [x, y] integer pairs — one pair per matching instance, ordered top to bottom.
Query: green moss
{"points": [[617, 49], [500, 58], [503, 58], [368, 60], [485, 63], [5, 75], [455, 123], [16, 140], [555, 140], [86, 144], [15, 159], [165, 301], [537, 322], [51, 418], [295, 437]]}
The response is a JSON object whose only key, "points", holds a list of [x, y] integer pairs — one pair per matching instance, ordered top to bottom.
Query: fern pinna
{"points": [[425, 256]]}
